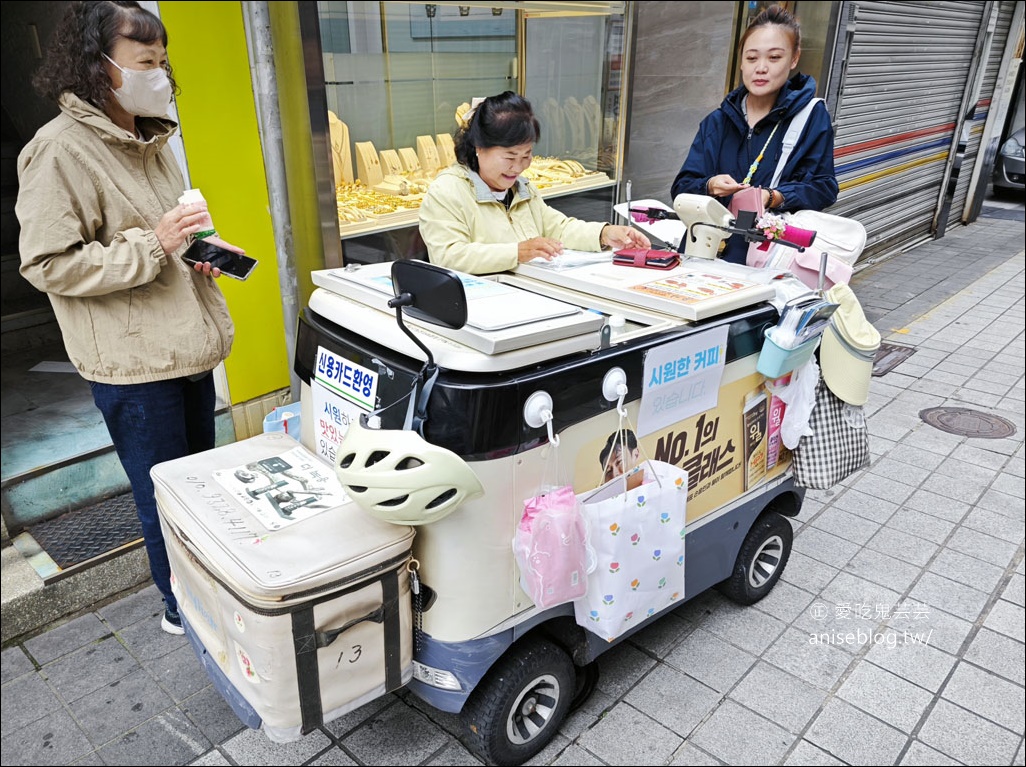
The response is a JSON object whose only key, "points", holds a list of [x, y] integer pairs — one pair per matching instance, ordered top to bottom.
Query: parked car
{"points": [[1008, 167]]}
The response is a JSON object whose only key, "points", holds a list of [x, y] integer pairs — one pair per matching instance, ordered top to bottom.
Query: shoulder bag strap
{"points": [[794, 130]]}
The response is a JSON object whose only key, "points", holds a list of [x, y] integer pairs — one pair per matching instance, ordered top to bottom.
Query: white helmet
{"points": [[399, 477]]}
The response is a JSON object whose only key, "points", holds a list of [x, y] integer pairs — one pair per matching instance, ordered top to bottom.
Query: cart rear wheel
{"points": [[761, 560], [519, 705]]}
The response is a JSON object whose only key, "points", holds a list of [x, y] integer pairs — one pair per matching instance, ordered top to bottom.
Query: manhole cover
{"points": [[888, 356], [967, 423]]}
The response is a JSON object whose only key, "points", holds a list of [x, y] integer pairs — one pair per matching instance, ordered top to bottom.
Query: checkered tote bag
{"points": [[838, 445]]}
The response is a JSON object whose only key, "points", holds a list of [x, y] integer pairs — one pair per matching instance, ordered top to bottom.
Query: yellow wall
{"points": [[207, 50]]}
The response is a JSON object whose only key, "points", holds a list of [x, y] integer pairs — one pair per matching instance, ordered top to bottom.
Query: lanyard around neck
{"points": [[754, 165]]}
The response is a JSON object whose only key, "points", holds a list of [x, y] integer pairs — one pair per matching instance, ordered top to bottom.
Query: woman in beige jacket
{"points": [[480, 216], [102, 234]]}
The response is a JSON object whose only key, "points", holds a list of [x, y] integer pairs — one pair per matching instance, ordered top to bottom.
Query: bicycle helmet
{"points": [[397, 476]]}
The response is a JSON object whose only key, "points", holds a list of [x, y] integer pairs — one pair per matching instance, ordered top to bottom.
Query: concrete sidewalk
{"points": [[896, 635]]}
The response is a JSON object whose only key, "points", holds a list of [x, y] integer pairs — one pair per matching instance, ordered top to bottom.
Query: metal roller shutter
{"points": [[898, 94], [974, 125]]}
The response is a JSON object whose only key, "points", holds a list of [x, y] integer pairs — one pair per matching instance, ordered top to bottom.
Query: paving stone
{"points": [[979, 456], [882, 487], [1002, 503], [937, 505], [866, 506], [845, 525], [921, 525], [996, 525], [897, 543], [982, 546], [824, 547], [883, 569], [967, 570], [807, 573], [1015, 591], [950, 596], [860, 599], [785, 602], [143, 605], [1008, 619], [930, 626], [751, 630], [661, 635], [66, 638], [147, 641], [999, 654], [804, 655], [910, 659], [710, 660], [13, 663], [90, 668], [621, 668], [179, 673], [988, 695], [779, 696], [886, 696], [673, 699], [35, 700], [119, 706], [209, 711], [735, 735], [854, 736], [967, 737], [52, 739], [167, 739], [375, 741], [650, 742], [254, 747], [805, 753], [689, 754], [921, 754], [575, 756], [336, 757], [212, 758]]}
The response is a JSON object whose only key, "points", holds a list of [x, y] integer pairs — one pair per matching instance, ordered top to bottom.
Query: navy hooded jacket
{"points": [[725, 144]]}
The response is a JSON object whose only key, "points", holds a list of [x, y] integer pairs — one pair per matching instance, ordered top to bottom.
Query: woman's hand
{"points": [[724, 185], [178, 223], [617, 237], [538, 247]]}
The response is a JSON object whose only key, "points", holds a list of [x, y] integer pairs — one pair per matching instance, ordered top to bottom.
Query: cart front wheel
{"points": [[761, 560], [519, 705]]}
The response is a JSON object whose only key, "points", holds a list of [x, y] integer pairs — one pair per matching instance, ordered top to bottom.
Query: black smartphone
{"points": [[231, 264]]}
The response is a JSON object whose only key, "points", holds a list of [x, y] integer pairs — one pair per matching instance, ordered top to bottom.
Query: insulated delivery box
{"points": [[297, 602]]}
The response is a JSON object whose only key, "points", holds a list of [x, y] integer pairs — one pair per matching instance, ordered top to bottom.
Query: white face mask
{"points": [[143, 92]]}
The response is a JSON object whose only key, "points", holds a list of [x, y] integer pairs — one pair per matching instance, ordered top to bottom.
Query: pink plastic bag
{"points": [[805, 265], [551, 548]]}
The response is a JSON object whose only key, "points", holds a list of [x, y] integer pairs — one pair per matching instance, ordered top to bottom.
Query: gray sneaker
{"points": [[171, 622]]}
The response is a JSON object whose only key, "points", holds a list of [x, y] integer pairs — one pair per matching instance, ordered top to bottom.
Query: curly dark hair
{"points": [[74, 56], [503, 120]]}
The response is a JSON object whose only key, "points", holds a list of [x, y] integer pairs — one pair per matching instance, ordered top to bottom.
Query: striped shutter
{"points": [[897, 95], [975, 123]]}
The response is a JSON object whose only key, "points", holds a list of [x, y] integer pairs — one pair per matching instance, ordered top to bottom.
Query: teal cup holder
{"points": [[776, 361]]}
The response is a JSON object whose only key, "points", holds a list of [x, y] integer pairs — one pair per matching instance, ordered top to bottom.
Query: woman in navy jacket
{"points": [[752, 121]]}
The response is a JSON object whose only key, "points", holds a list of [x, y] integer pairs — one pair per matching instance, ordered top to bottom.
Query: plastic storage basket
{"points": [[775, 361]]}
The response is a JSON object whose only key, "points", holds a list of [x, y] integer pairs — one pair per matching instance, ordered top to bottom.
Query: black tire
{"points": [[761, 560], [518, 707]]}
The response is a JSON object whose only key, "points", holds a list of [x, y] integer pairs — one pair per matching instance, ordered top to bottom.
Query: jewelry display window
{"points": [[396, 72]]}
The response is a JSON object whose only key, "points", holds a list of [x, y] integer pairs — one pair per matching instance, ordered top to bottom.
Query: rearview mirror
{"points": [[429, 293]]}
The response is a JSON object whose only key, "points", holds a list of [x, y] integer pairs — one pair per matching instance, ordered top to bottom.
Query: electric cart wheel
{"points": [[761, 560], [518, 707]]}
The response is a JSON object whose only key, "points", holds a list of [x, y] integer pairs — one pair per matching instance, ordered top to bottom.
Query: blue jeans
{"points": [[150, 423]]}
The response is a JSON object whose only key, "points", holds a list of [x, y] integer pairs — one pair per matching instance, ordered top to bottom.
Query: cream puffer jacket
{"points": [[89, 197], [465, 228]]}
